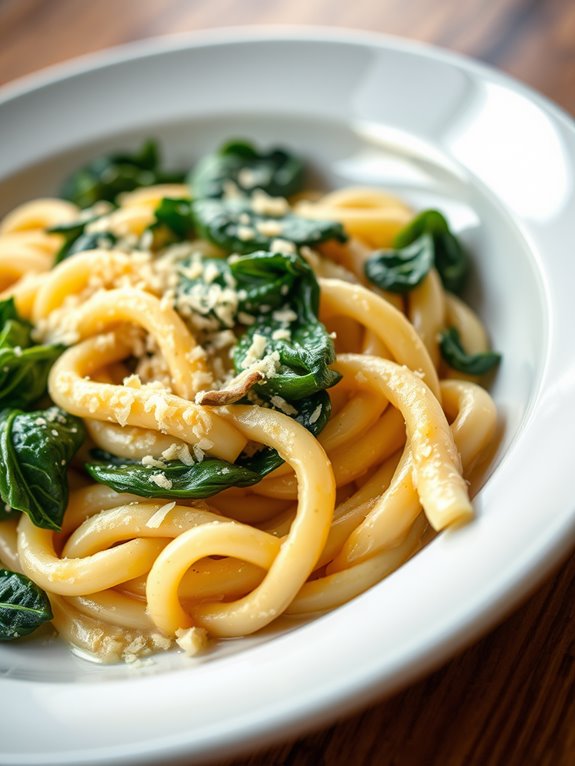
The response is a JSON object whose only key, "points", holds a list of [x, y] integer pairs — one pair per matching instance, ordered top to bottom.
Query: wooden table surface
{"points": [[510, 699]]}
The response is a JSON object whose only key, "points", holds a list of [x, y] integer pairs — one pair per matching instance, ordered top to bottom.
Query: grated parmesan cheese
{"points": [[263, 204], [285, 314], [281, 334], [256, 351], [281, 404], [314, 417], [151, 462], [161, 480], [157, 519], [192, 640]]}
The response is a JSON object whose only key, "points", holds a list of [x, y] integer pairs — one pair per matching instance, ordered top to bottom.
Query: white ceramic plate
{"points": [[437, 129]]}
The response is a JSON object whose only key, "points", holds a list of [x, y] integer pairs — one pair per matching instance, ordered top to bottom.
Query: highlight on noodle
{"points": [[225, 398]]}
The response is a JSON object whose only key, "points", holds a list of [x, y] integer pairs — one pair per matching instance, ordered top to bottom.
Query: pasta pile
{"points": [[151, 379]]}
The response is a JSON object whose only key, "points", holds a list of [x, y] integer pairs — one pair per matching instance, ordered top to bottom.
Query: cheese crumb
{"points": [[263, 204], [286, 315], [255, 351], [281, 404], [314, 417], [179, 452], [161, 480], [158, 517], [192, 640]]}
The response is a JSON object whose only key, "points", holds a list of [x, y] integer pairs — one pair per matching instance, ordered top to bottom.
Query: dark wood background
{"points": [[510, 699]]}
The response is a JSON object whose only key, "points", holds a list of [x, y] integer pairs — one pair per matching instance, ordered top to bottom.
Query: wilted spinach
{"points": [[277, 172], [109, 176], [176, 216], [233, 225], [425, 242], [401, 270], [279, 294], [456, 357], [24, 366], [35, 451], [208, 477], [23, 606]]}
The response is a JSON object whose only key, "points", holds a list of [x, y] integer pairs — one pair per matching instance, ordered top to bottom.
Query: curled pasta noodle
{"points": [[373, 216], [157, 410], [300, 510]]}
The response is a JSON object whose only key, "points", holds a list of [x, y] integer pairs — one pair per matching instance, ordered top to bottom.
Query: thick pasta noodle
{"points": [[152, 380]]}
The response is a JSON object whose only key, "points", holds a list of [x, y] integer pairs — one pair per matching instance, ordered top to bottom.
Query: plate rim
{"points": [[162, 44]]}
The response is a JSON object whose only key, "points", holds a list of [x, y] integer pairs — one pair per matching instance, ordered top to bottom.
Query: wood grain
{"points": [[510, 699], [507, 701]]}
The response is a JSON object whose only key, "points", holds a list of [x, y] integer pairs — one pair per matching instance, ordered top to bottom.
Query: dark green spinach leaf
{"points": [[277, 172], [107, 177], [176, 216], [232, 225], [77, 240], [449, 257], [401, 270], [286, 283], [279, 294], [457, 358], [24, 367], [35, 451], [208, 477], [185, 481], [23, 606]]}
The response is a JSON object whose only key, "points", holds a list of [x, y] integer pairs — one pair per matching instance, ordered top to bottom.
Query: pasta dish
{"points": [[225, 398]]}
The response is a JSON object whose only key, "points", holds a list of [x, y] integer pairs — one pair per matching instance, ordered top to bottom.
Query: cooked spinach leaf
{"points": [[277, 172], [107, 177], [176, 216], [233, 225], [77, 239], [449, 257], [401, 270], [278, 300], [456, 356], [303, 357], [24, 367], [35, 451], [205, 478], [179, 480], [23, 606]]}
